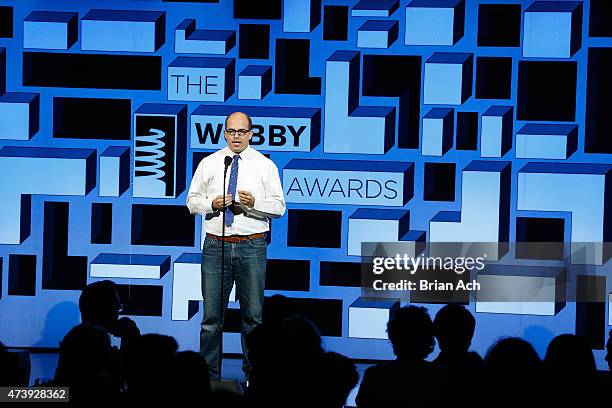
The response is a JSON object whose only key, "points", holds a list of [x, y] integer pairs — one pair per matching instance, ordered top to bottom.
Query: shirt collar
{"points": [[246, 153]]}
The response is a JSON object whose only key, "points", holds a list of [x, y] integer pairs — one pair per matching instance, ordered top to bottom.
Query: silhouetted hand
{"points": [[126, 328]]}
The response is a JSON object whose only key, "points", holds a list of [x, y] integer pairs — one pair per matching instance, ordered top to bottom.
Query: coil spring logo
{"points": [[154, 145], [154, 156]]}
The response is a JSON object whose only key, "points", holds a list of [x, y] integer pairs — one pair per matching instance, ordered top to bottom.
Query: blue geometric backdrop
{"points": [[437, 120]]}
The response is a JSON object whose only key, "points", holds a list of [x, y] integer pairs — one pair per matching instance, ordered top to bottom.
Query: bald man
{"points": [[251, 196]]}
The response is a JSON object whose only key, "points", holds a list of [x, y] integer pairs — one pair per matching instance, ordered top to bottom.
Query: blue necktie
{"points": [[231, 189]]}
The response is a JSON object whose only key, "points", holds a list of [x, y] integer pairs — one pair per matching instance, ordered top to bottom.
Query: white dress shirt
{"points": [[256, 174]]}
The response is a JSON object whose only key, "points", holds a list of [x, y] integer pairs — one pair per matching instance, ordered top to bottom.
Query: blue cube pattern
{"points": [[346, 134]]}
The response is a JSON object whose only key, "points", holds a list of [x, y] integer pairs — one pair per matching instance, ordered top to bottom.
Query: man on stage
{"points": [[251, 196]]}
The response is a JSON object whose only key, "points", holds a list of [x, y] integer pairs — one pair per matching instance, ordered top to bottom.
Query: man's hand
{"points": [[246, 198], [219, 202], [126, 327]]}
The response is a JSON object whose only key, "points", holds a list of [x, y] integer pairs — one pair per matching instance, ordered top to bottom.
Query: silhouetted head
{"points": [[99, 304], [276, 309], [454, 328], [410, 331], [300, 336], [259, 345], [85, 351], [609, 351], [151, 354], [569, 356], [512, 357], [150, 366], [192, 373], [337, 376], [226, 399]]}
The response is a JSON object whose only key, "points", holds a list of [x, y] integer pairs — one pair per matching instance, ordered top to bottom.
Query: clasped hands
{"points": [[244, 197]]}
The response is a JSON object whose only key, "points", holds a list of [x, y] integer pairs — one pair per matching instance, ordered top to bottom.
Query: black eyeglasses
{"points": [[240, 132]]}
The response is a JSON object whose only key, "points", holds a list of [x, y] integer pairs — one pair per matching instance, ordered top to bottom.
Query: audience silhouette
{"points": [[100, 304], [454, 327], [84, 365], [290, 365], [151, 367], [292, 368], [570, 371], [513, 374], [333, 376], [193, 378], [603, 379], [409, 380]]}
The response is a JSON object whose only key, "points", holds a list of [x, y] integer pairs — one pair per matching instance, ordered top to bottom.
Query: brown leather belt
{"points": [[237, 238]]}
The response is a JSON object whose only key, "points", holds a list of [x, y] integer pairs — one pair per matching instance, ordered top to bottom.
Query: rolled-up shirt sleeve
{"points": [[197, 200], [271, 205]]}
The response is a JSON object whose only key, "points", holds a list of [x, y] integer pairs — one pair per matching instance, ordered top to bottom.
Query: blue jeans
{"points": [[245, 264]]}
